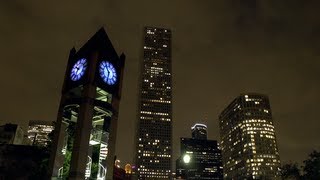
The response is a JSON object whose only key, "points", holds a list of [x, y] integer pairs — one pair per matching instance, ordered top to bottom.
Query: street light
{"points": [[186, 158], [186, 161]]}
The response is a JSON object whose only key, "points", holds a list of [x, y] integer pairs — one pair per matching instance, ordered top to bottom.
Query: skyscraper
{"points": [[154, 131], [199, 131], [38, 132], [248, 141], [200, 158]]}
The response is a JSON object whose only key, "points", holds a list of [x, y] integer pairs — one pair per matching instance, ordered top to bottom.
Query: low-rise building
{"points": [[11, 134]]}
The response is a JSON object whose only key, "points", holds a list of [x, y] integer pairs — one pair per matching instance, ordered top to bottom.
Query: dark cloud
{"points": [[220, 49]]}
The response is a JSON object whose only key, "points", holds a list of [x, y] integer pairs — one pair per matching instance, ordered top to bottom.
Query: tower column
{"points": [[80, 149], [79, 158], [54, 163]]}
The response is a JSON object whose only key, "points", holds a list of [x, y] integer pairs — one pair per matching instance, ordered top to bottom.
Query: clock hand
{"points": [[76, 69], [106, 73], [111, 74]]}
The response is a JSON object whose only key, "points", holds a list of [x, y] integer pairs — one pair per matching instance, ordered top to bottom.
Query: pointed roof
{"points": [[99, 41]]}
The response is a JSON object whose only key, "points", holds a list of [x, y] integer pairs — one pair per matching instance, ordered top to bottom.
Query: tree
{"points": [[68, 155], [311, 166], [290, 171]]}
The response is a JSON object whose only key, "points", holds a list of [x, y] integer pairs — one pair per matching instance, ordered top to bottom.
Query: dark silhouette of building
{"points": [[154, 131], [199, 131], [11, 134], [85, 134], [248, 140], [199, 158], [120, 174]]}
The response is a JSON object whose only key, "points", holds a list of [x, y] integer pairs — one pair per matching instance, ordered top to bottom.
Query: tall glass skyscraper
{"points": [[154, 132], [248, 140]]}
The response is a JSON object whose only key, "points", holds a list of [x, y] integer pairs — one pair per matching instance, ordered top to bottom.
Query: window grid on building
{"points": [[248, 141], [153, 155]]}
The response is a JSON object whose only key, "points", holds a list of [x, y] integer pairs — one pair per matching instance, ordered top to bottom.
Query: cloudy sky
{"points": [[221, 48]]}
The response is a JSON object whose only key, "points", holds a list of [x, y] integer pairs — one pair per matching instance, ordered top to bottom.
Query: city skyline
{"points": [[220, 50]]}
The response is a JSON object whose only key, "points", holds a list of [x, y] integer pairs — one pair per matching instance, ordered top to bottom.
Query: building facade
{"points": [[154, 131], [199, 131], [38, 132], [11, 134], [248, 140], [200, 158]]}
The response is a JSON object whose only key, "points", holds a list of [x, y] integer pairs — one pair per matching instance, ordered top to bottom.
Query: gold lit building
{"points": [[248, 140], [128, 169]]}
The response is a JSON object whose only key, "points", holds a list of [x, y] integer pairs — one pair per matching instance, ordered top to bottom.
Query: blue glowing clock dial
{"points": [[78, 69], [108, 72]]}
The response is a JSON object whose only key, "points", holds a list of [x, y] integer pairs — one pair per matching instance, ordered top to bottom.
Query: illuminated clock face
{"points": [[78, 69], [108, 72]]}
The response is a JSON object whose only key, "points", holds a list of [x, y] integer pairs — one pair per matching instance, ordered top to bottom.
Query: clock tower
{"points": [[85, 134]]}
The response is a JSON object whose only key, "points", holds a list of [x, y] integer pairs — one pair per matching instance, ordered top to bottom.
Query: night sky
{"points": [[221, 48]]}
